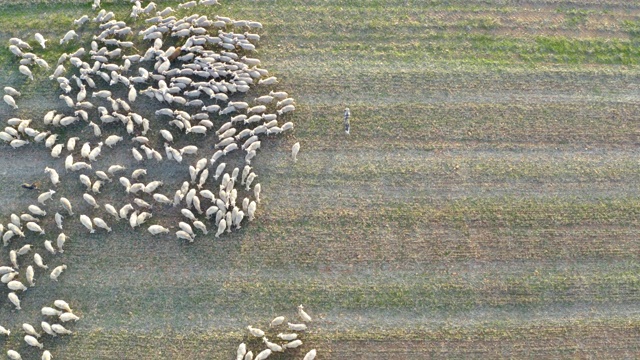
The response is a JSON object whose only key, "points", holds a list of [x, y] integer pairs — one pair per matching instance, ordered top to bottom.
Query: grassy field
{"points": [[485, 205]]}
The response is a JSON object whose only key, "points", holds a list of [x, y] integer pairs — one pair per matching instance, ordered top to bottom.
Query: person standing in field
{"points": [[347, 125]]}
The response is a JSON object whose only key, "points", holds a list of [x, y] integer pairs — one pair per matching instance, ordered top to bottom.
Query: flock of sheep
{"points": [[202, 83], [288, 340]]}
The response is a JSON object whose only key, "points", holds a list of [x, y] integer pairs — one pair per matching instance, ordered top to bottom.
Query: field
{"points": [[485, 205]]}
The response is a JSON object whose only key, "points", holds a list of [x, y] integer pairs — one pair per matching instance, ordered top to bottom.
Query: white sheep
{"points": [[68, 37], [41, 40], [24, 70], [10, 101], [286, 109], [219, 170], [53, 175], [249, 180], [45, 196], [90, 200], [66, 205], [35, 210], [86, 221], [101, 224], [222, 225], [200, 226], [35, 227], [157, 229], [184, 235], [60, 240], [49, 247], [37, 259], [56, 272], [15, 285], [15, 300], [49, 311], [303, 314], [68, 316], [279, 320], [297, 327], [59, 329], [30, 330], [4, 331], [255, 331], [288, 337], [32, 341], [292, 344], [272, 346], [240, 353], [263, 354], [14, 355], [46, 355], [311, 355]]}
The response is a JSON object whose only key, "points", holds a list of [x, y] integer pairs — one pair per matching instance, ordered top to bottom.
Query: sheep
{"points": [[68, 37], [41, 40], [24, 70], [11, 91], [10, 101], [285, 102], [286, 109], [112, 140], [18, 143], [294, 151], [217, 155], [115, 168], [219, 170], [137, 173], [250, 179], [84, 180], [96, 187], [45, 196], [90, 200], [66, 204], [35, 210], [86, 221], [101, 224], [200, 226], [35, 227], [221, 227], [157, 229], [184, 235], [49, 247], [24, 250], [13, 257], [37, 259], [56, 273], [6, 278], [16, 285], [15, 300], [49, 311], [303, 315], [68, 316], [277, 321], [297, 327], [59, 329], [30, 330], [4, 331], [255, 331], [288, 337], [32, 341], [292, 344], [272, 346], [240, 353], [263, 354], [14, 355], [46, 355], [311, 355], [249, 356]]}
